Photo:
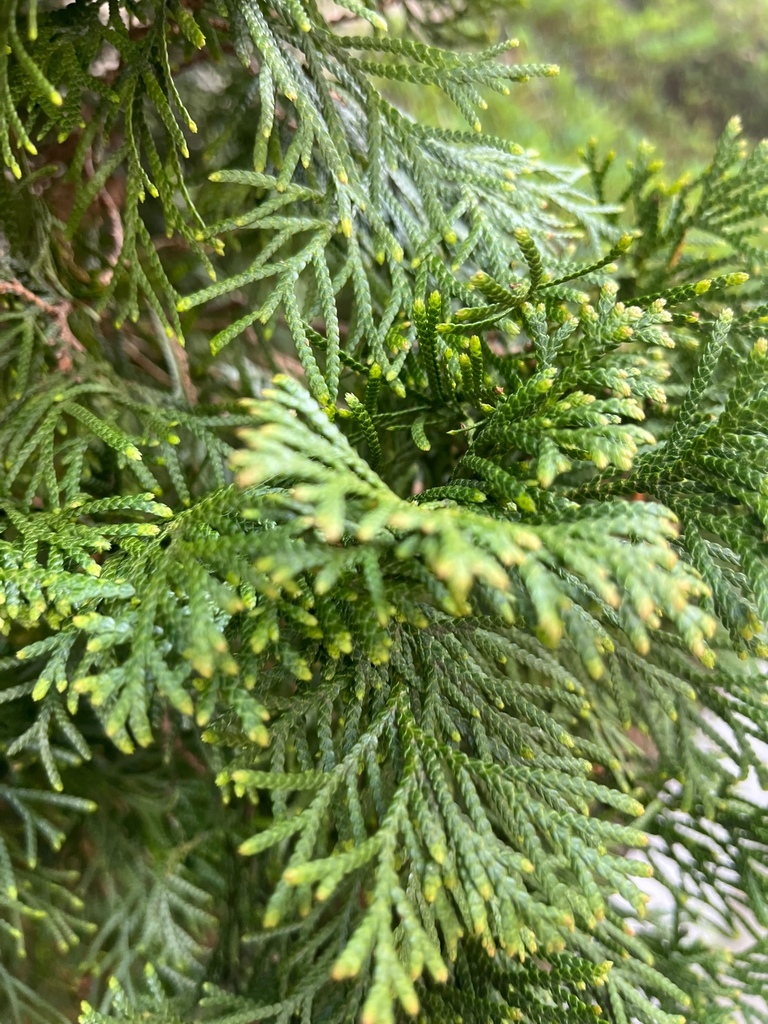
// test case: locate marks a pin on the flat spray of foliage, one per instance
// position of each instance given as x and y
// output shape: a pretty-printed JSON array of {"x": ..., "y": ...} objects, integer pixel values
[{"x": 383, "y": 568}]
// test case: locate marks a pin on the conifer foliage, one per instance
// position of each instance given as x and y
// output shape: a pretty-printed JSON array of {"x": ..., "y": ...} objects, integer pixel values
[{"x": 383, "y": 562}]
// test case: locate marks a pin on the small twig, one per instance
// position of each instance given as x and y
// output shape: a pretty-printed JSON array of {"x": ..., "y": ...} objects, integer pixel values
[
  {"x": 59, "y": 313},
  {"x": 176, "y": 360},
  {"x": 130, "y": 346},
  {"x": 175, "y": 241},
  {"x": 115, "y": 222}
]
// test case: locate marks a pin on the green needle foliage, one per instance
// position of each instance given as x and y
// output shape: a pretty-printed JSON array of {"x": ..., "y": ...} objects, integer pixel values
[{"x": 383, "y": 561}]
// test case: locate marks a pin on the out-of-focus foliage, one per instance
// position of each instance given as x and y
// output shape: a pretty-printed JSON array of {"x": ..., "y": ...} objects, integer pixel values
[{"x": 673, "y": 71}]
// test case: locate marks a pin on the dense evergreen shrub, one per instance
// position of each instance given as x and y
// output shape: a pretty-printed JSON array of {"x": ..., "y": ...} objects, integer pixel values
[{"x": 383, "y": 567}]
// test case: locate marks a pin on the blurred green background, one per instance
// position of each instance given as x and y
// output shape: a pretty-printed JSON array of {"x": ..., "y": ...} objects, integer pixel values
[{"x": 669, "y": 71}]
